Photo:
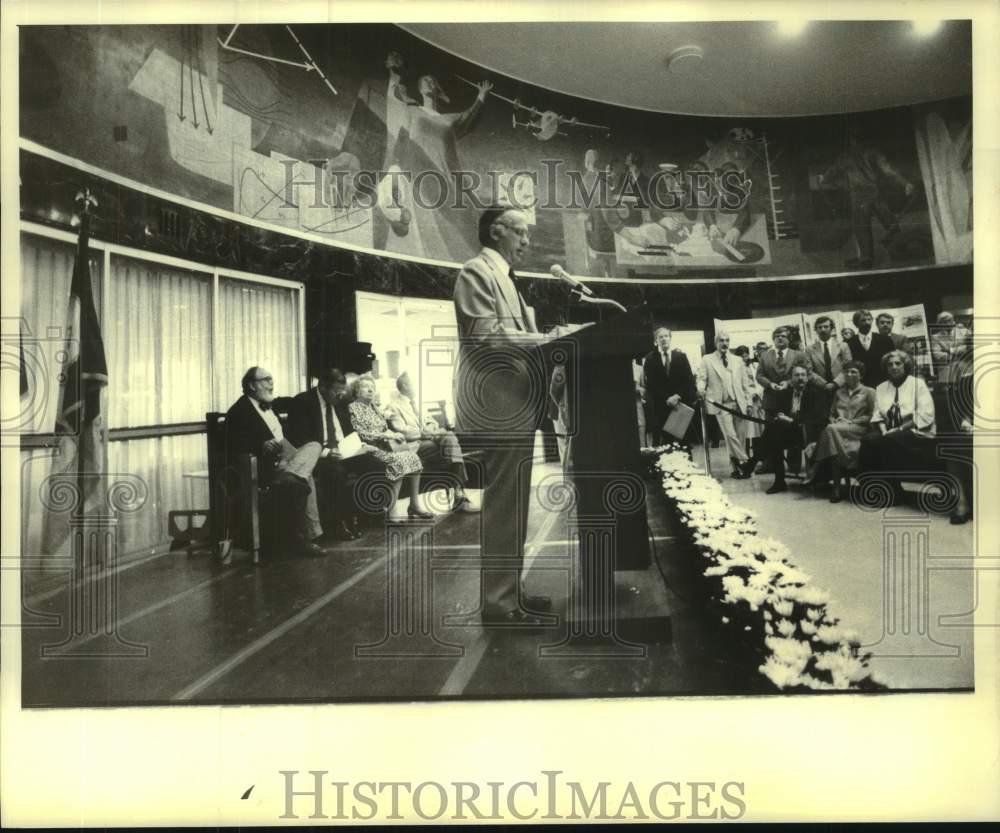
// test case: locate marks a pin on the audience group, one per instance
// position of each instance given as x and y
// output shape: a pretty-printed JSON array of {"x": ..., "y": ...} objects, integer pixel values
[
  {"x": 843, "y": 406},
  {"x": 334, "y": 434}
]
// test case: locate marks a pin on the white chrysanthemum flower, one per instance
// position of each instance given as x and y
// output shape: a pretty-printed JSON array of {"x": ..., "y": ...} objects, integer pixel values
[
  {"x": 786, "y": 627},
  {"x": 789, "y": 651},
  {"x": 784, "y": 607},
  {"x": 807, "y": 627},
  {"x": 782, "y": 675}
]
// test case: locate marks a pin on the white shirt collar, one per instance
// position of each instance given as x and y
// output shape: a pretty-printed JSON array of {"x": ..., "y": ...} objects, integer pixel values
[{"x": 497, "y": 260}]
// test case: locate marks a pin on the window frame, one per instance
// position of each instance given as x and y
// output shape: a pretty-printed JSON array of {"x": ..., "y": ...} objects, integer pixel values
[{"x": 215, "y": 274}]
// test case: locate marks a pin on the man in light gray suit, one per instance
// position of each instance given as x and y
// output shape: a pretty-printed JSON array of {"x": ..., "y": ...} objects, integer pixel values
[
  {"x": 500, "y": 388},
  {"x": 722, "y": 381},
  {"x": 827, "y": 357}
]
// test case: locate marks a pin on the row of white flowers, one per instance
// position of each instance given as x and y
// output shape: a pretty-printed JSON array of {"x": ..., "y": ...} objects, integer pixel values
[{"x": 757, "y": 577}]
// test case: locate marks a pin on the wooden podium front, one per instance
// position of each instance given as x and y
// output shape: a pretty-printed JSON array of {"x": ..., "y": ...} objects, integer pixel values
[{"x": 605, "y": 470}]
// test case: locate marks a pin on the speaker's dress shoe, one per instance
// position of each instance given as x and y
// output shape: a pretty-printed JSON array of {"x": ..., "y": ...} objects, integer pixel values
[
  {"x": 291, "y": 484},
  {"x": 536, "y": 602},
  {"x": 499, "y": 617},
  {"x": 835, "y": 496},
  {"x": 342, "y": 532},
  {"x": 777, "y": 487},
  {"x": 746, "y": 469},
  {"x": 739, "y": 474},
  {"x": 310, "y": 549}
]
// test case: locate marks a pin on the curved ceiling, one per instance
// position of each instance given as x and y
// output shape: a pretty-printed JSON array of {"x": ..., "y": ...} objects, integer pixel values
[{"x": 746, "y": 69}]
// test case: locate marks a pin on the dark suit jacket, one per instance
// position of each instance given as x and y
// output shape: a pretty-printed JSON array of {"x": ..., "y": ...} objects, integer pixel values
[
  {"x": 246, "y": 433},
  {"x": 305, "y": 419},
  {"x": 872, "y": 357},
  {"x": 660, "y": 386},
  {"x": 812, "y": 415}
]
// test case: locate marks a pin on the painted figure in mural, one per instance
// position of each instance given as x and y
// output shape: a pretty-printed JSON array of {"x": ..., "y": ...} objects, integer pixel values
[
  {"x": 866, "y": 171},
  {"x": 703, "y": 229},
  {"x": 422, "y": 138},
  {"x": 600, "y": 237}
]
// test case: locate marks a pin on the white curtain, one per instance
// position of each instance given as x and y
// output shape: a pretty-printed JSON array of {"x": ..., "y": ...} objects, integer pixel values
[
  {"x": 161, "y": 463},
  {"x": 157, "y": 325},
  {"x": 258, "y": 325},
  {"x": 158, "y": 339},
  {"x": 46, "y": 275},
  {"x": 945, "y": 154}
]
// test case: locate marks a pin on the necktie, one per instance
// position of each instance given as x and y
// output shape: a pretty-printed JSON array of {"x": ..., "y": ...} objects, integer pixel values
[
  {"x": 826, "y": 361},
  {"x": 666, "y": 363},
  {"x": 265, "y": 406},
  {"x": 796, "y": 402},
  {"x": 725, "y": 361},
  {"x": 893, "y": 418},
  {"x": 331, "y": 434}
]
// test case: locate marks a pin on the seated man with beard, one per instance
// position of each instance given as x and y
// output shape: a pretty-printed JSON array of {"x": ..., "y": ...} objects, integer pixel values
[{"x": 284, "y": 468}]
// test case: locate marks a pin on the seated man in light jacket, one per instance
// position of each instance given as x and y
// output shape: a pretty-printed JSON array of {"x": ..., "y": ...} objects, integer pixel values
[{"x": 434, "y": 441}]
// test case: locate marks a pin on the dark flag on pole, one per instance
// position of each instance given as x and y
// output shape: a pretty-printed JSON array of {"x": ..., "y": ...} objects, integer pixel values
[{"x": 80, "y": 423}]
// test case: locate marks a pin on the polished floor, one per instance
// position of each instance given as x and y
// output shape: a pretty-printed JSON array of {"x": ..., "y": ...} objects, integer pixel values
[
  {"x": 901, "y": 577},
  {"x": 346, "y": 628},
  {"x": 327, "y": 629}
]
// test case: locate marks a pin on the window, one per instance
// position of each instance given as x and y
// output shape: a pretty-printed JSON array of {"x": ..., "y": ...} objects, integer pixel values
[
  {"x": 259, "y": 324},
  {"x": 177, "y": 338},
  {"x": 413, "y": 334}
]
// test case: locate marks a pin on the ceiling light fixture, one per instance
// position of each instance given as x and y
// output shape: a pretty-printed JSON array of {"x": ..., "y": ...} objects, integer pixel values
[
  {"x": 792, "y": 27},
  {"x": 924, "y": 28}
]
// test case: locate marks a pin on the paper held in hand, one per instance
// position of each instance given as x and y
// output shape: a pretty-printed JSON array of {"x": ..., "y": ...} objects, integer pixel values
[
  {"x": 350, "y": 446},
  {"x": 678, "y": 421}
]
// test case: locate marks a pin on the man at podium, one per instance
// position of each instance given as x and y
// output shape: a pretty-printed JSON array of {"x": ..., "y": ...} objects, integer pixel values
[{"x": 500, "y": 388}]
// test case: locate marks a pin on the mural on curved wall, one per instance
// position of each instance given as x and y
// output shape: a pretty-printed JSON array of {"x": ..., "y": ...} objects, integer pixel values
[{"x": 365, "y": 135}]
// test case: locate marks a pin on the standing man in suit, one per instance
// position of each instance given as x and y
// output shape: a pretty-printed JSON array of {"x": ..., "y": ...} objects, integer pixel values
[
  {"x": 827, "y": 357},
  {"x": 252, "y": 427},
  {"x": 722, "y": 381},
  {"x": 884, "y": 324},
  {"x": 321, "y": 415},
  {"x": 774, "y": 371},
  {"x": 667, "y": 380},
  {"x": 869, "y": 347},
  {"x": 796, "y": 423},
  {"x": 500, "y": 388}
]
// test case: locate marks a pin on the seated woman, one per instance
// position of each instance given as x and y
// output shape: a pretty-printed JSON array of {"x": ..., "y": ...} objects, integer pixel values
[
  {"x": 435, "y": 442},
  {"x": 850, "y": 419},
  {"x": 372, "y": 428},
  {"x": 904, "y": 415}
]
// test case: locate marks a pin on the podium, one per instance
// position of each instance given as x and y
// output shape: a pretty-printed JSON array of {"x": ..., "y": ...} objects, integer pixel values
[{"x": 616, "y": 593}]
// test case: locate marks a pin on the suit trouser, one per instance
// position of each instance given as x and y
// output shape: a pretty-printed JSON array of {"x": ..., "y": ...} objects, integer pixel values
[
  {"x": 506, "y": 503},
  {"x": 734, "y": 444},
  {"x": 445, "y": 447},
  {"x": 301, "y": 462},
  {"x": 777, "y": 437}
]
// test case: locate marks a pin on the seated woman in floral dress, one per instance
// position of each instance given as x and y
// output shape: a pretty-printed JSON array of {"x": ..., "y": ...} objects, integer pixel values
[
  {"x": 373, "y": 429},
  {"x": 850, "y": 419}
]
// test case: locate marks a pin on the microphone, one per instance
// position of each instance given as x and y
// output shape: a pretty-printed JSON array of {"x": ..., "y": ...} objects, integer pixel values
[{"x": 558, "y": 272}]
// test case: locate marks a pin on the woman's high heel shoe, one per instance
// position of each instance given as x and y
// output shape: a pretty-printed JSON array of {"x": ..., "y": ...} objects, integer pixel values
[{"x": 416, "y": 513}]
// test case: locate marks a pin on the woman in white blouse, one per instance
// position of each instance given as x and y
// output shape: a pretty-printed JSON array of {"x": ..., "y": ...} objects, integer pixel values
[{"x": 904, "y": 416}]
